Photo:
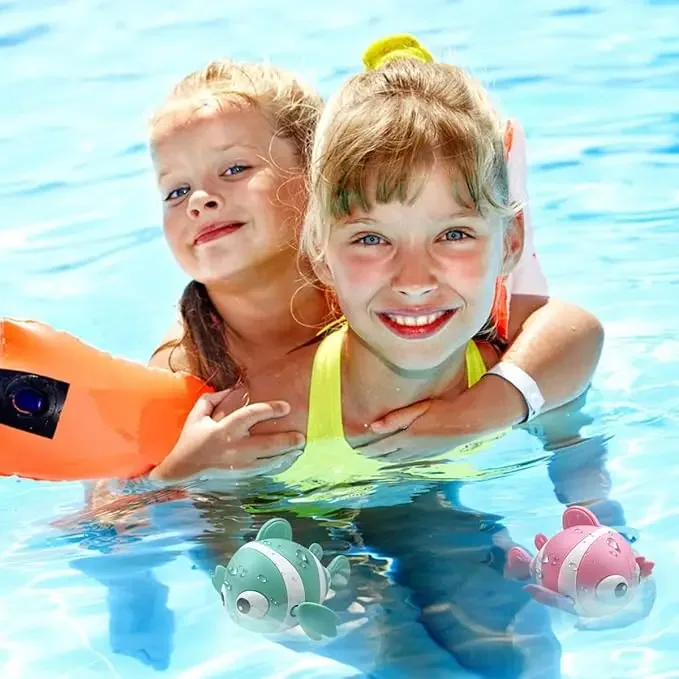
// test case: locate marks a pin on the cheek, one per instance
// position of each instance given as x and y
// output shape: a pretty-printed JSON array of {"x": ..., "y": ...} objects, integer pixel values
[
  {"x": 470, "y": 267},
  {"x": 276, "y": 214},
  {"x": 476, "y": 270},
  {"x": 356, "y": 275},
  {"x": 171, "y": 229},
  {"x": 280, "y": 198},
  {"x": 174, "y": 231},
  {"x": 472, "y": 274}
]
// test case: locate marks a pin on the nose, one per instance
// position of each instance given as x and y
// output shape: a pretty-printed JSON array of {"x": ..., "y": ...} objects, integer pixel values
[
  {"x": 414, "y": 277},
  {"x": 201, "y": 202}
]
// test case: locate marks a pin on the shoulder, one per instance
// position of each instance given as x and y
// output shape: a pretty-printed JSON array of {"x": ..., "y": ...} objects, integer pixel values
[{"x": 170, "y": 354}]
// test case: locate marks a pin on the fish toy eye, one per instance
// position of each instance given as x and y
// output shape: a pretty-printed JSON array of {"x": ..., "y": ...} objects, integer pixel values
[
  {"x": 252, "y": 604},
  {"x": 612, "y": 589}
]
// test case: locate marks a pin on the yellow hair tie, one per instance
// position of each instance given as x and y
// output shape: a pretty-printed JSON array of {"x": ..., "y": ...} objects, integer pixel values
[{"x": 402, "y": 46}]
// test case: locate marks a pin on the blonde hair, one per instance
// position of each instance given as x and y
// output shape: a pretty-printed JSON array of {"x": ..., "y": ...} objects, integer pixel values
[
  {"x": 293, "y": 109},
  {"x": 291, "y": 106},
  {"x": 386, "y": 126}
]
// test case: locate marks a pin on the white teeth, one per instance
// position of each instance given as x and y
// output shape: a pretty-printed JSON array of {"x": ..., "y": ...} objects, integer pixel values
[{"x": 416, "y": 320}]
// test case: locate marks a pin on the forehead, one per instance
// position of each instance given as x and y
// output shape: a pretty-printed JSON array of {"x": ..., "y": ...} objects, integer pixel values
[
  {"x": 209, "y": 121},
  {"x": 435, "y": 191}
]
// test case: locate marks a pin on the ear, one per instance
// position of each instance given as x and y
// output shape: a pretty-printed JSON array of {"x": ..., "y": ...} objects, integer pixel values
[
  {"x": 513, "y": 244},
  {"x": 323, "y": 272}
]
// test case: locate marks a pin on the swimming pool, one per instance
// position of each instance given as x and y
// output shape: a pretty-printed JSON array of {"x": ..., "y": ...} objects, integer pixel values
[{"x": 595, "y": 85}]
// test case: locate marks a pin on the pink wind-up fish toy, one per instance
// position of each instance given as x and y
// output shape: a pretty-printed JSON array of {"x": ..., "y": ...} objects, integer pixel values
[{"x": 586, "y": 569}]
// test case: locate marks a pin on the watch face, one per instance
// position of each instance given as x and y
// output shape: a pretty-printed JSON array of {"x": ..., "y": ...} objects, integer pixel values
[{"x": 31, "y": 403}]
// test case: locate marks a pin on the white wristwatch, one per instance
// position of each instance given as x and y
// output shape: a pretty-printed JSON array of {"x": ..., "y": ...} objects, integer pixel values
[{"x": 524, "y": 383}]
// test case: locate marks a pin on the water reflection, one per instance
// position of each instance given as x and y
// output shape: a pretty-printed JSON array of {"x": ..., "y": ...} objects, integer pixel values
[{"x": 432, "y": 565}]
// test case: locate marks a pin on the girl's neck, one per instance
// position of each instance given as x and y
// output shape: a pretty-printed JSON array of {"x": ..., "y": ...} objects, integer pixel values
[
  {"x": 371, "y": 387},
  {"x": 272, "y": 310}
]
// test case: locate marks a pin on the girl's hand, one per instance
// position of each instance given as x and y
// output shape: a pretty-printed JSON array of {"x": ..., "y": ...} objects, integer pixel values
[
  {"x": 417, "y": 432},
  {"x": 429, "y": 428},
  {"x": 227, "y": 444}
]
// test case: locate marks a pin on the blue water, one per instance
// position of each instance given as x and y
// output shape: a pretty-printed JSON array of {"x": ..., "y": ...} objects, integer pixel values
[{"x": 595, "y": 85}]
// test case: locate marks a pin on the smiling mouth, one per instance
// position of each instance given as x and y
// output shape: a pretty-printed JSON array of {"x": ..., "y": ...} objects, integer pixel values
[
  {"x": 215, "y": 231},
  {"x": 410, "y": 326}
]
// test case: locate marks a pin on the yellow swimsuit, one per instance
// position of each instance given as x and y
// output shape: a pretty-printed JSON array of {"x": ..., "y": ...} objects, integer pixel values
[{"x": 331, "y": 471}]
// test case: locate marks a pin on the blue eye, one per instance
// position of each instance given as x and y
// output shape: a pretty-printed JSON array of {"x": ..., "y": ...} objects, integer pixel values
[
  {"x": 370, "y": 239},
  {"x": 234, "y": 170},
  {"x": 455, "y": 234},
  {"x": 177, "y": 193}
]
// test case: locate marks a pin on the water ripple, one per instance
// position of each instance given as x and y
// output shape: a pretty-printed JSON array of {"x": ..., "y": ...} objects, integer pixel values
[
  {"x": 576, "y": 11},
  {"x": 16, "y": 38}
]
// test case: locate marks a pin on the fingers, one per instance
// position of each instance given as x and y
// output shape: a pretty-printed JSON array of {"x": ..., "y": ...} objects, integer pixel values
[
  {"x": 249, "y": 457},
  {"x": 216, "y": 397},
  {"x": 250, "y": 452},
  {"x": 273, "y": 465},
  {"x": 383, "y": 447},
  {"x": 206, "y": 404},
  {"x": 398, "y": 448},
  {"x": 266, "y": 447},
  {"x": 242, "y": 420},
  {"x": 401, "y": 455},
  {"x": 398, "y": 420}
]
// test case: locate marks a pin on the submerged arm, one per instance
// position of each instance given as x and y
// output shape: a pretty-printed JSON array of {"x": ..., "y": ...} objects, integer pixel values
[{"x": 577, "y": 466}]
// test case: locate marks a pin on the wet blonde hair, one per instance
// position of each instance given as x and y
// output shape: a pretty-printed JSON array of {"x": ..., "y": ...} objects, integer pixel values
[
  {"x": 386, "y": 127},
  {"x": 293, "y": 109}
]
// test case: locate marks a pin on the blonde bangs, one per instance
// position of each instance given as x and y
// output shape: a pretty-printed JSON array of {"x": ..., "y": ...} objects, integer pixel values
[
  {"x": 385, "y": 130},
  {"x": 292, "y": 106},
  {"x": 382, "y": 150}
]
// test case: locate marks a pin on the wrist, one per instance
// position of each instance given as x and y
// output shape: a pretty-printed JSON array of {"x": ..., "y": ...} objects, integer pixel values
[
  {"x": 505, "y": 398},
  {"x": 522, "y": 383},
  {"x": 163, "y": 473}
]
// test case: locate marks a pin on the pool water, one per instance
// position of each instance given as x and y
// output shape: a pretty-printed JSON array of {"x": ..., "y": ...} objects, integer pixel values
[{"x": 595, "y": 86}]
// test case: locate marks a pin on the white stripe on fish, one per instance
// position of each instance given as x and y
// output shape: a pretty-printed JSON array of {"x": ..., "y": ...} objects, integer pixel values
[{"x": 294, "y": 586}]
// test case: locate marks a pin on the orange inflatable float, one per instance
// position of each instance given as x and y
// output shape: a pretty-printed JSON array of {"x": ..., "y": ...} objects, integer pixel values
[{"x": 69, "y": 411}]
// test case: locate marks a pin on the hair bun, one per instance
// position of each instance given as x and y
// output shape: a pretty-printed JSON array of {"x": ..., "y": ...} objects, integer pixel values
[{"x": 402, "y": 46}]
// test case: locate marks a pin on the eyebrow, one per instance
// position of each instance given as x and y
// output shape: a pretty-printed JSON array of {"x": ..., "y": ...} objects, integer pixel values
[
  {"x": 163, "y": 173},
  {"x": 463, "y": 214},
  {"x": 221, "y": 148},
  {"x": 226, "y": 147},
  {"x": 355, "y": 221}
]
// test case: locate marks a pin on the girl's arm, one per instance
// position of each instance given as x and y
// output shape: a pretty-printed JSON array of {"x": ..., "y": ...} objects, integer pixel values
[{"x": 556, "y": 343}]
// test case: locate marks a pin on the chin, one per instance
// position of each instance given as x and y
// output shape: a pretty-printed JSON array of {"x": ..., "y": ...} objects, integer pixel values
[
  {"x": 222, "y": 272},
  {"x": 419, "y": 366},
  {"x": 414, "y": 360}
]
